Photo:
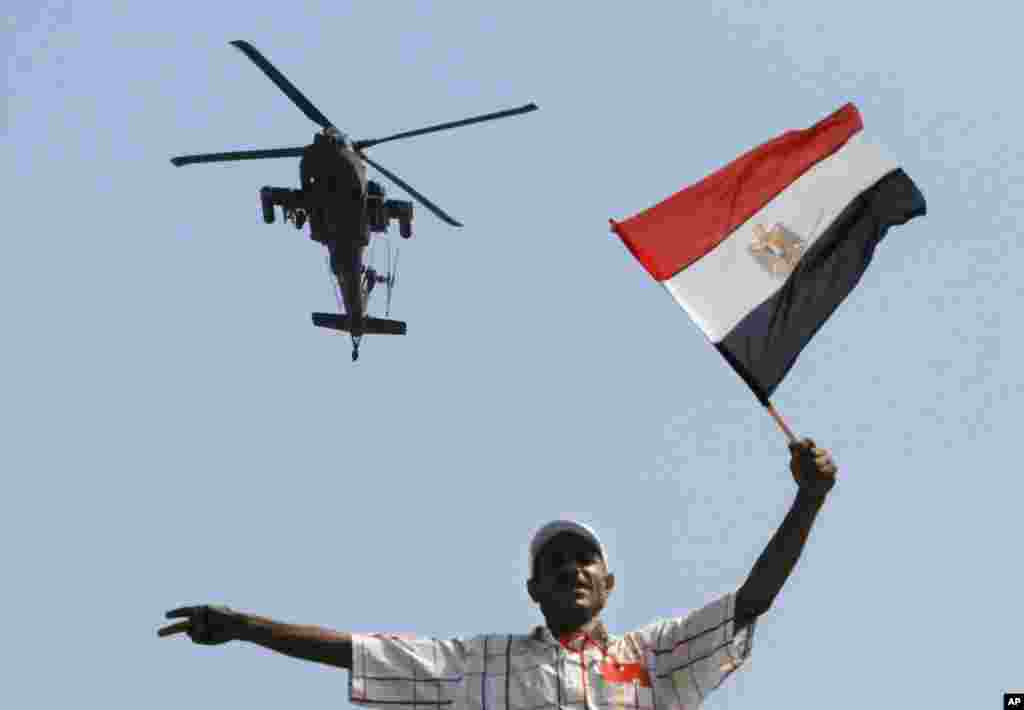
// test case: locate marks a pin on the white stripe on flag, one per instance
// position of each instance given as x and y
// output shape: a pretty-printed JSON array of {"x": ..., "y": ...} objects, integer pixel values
[{"x": 721, "y": 288}]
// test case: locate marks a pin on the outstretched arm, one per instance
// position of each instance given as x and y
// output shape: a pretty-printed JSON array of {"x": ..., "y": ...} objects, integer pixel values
[
  {"x": 310, "y": 643},
  {"x": 815, "y": 475},
  {"x": 211, "y": 625}
]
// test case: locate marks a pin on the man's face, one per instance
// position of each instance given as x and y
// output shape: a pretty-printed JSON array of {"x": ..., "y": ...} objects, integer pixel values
[{"x": 570, "y": 582}]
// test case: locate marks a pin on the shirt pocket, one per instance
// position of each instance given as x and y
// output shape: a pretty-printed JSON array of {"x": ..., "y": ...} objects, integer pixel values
[
  {"x": 533, "y": 687},
  {"x": 511, "y": 678}
]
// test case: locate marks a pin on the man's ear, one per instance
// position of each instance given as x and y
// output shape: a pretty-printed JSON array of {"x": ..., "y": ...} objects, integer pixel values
[
  {"x": 609, "y": 582},
  {"x": 531, "y": 588}
]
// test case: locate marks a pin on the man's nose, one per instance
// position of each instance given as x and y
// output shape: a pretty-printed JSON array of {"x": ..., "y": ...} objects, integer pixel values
[{"x": 569, "y": 572}]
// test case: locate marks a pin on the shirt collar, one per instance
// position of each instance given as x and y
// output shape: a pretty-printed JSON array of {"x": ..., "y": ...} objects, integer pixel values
[{"x": 575, "y": 641}]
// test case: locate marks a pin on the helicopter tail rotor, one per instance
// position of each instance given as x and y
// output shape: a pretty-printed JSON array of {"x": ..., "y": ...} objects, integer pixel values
[{"x": 392, "y": 279}]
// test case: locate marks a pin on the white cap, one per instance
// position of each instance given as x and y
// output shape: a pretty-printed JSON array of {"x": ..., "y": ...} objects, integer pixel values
[{"x": 541, "y": 537}]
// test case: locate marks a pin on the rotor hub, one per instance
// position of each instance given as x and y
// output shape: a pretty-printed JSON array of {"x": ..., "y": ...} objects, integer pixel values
[{"x": 337, "y": 136}]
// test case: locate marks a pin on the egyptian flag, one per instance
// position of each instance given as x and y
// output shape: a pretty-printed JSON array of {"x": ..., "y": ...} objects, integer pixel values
[{"x": 761, "y": 252}]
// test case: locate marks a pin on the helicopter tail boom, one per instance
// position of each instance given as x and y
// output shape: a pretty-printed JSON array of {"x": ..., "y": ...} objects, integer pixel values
[{"x": 371, "y": 326}]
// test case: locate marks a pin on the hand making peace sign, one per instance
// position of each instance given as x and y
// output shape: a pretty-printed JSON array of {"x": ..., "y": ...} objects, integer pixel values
[{"x": 208, "y": 625}]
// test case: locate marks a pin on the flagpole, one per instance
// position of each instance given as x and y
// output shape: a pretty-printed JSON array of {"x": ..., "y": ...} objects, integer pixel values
[{"x": 782, "y": 425}]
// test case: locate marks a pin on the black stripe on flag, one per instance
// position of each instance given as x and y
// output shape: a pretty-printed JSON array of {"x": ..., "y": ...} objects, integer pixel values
[{"x": 764, "y": 345}]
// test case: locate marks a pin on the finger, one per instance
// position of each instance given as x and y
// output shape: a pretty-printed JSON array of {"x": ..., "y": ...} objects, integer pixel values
[
  {"x": 200, "y": 629},
  {"x": 828, "y": 470},
  {"x": 172, "y": 629},
  {"x": 182, "y": 611},
  {"x": 801, "y": 446}
]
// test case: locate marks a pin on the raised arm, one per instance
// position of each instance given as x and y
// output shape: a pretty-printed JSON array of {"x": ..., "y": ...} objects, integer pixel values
[
  {"x": 211, "y": 625},
  {"x": 815, "y": 475}
]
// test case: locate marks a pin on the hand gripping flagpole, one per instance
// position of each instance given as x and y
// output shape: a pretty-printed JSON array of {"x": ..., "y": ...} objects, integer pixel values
[{"x": 782, "y": 425}]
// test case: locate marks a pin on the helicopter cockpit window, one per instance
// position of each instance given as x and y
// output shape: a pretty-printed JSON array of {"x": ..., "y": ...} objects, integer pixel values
[{"x": 338, "y": 136}]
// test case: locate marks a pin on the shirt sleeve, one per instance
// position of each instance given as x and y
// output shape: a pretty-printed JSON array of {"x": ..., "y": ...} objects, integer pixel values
[
  {"x": 396, "y": 671},
  {"x": 689, "y": 657}
]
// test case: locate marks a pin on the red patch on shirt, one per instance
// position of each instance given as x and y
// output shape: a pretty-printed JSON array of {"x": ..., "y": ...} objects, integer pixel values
[{"x": 625, "y": 673}]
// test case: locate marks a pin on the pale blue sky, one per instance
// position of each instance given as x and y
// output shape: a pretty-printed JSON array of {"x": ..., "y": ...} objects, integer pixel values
[{"x": 175, "y": 431}]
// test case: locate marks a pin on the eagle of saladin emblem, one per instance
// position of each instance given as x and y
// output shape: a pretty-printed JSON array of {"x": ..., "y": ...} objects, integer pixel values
[{"x": 778, "y": 250}]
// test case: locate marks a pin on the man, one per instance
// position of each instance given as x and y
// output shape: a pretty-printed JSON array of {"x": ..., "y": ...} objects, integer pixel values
[{"x": 569, "y": 661}]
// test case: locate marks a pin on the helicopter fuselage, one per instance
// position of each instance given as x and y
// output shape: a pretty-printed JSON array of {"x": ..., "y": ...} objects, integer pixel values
[
  {"x": 343, "y": 209},
  {"x": 334, "y": 191}
]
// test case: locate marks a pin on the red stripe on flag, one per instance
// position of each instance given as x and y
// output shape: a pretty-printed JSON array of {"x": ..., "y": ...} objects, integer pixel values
[{"x": 681, "y": 229}]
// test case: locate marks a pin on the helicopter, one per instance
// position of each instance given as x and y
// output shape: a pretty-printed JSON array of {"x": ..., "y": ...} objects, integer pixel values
[{"x": 342, "y": 207}]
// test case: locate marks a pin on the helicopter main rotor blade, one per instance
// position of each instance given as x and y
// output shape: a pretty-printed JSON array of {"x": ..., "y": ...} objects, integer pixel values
[
  {"x": 304, "y": 104},
  {"x": 359, "y": 145},
  {"x": 237, "y": 155},
  {"x": 408, "y": 188}
]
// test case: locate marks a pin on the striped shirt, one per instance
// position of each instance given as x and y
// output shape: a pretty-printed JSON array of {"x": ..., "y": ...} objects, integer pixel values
[{"x": 670, "y": 664}]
